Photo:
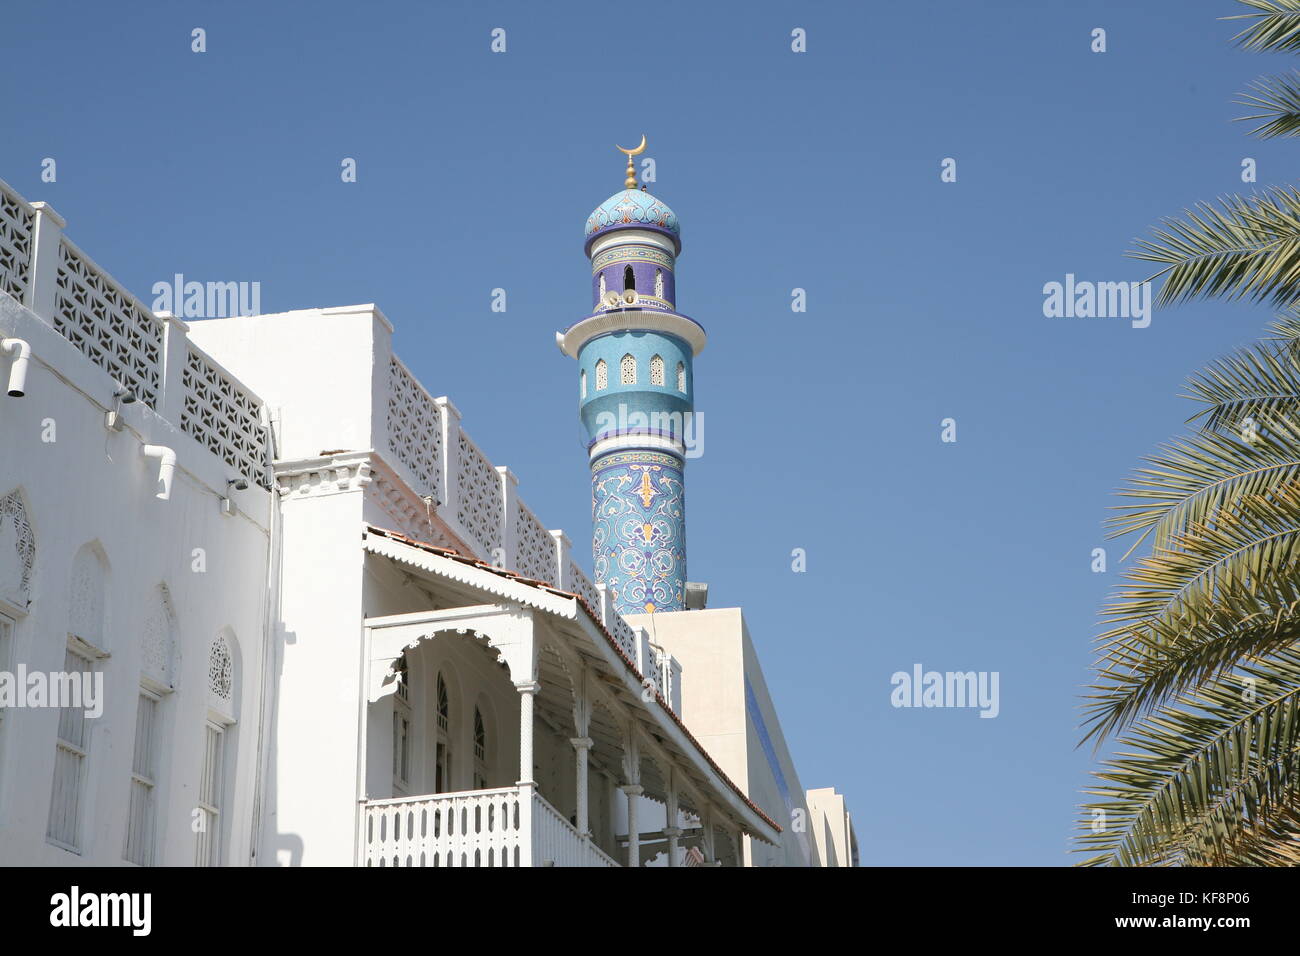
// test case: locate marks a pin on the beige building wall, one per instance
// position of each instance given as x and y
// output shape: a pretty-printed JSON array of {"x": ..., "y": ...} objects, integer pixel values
[{"x": 832, "y": 827}]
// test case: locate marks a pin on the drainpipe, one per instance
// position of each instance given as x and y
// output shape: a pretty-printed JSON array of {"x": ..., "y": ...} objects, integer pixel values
[
  {"x": 18, "y": 373},
  {"x": 166, "y": 468}
]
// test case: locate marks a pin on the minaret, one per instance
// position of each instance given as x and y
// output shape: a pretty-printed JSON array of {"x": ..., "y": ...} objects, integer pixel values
[{"x": 636, "y": 386}]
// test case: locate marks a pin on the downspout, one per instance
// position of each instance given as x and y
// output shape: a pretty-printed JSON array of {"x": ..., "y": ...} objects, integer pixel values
[
  {"x": 271, "y": 614},
  {"x": 18, "y": 372},
  {"x": 166, "y": 468}
]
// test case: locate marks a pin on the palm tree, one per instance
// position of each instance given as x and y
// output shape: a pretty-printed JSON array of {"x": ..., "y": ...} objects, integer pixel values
[{"x": 1199, "y": 668}]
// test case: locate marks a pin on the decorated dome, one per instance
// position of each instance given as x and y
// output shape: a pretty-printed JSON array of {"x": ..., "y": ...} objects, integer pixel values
[{"x": 633, "y": 209}]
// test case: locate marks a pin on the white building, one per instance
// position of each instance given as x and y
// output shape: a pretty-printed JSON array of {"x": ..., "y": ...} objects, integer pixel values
[{"x": 294, "y": 591}]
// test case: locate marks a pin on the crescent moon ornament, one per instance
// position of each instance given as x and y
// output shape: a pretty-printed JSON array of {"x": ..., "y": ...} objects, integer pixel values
[
  {"x": 630, "y": 182},
  {"x": 633, "y": 152}
]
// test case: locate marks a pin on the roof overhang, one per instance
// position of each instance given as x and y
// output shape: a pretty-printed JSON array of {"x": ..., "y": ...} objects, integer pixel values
[{"x": 570, "y": 615}]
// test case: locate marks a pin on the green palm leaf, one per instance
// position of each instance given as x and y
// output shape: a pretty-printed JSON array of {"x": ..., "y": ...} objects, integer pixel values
[
  {"x": 1213, "y": 779},
  {"x": 1246, "y": 247},
  {"x": 1276, "y": 27},
  {"x": 1254, "y": 390},
  {"x": 1276, "y": 101}
]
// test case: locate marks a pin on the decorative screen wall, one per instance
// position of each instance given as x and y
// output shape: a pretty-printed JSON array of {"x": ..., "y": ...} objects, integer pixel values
[
  {"x": 480, "y": 497},
  {"x": 16, "y": 223},
  {"x": 414, "y": 428},
  {"x": 224, "y": 417},
  {"x": 535, "y": 548},
  {"x": 108, "y": 325}
]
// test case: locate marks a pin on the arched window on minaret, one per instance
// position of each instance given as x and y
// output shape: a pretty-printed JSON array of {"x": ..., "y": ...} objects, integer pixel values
[
  {"x": 601, "y": 293},
  {"x": 627, "y": 369},
  {"x": 629, "y": 279},
  {"x": 602, "y": 375},
  {"x": 583, "y": 379},
  {"x": 681, "y": 377},
  {"x": 656, "y": 370},
  {"x": 659, "y": 285}
]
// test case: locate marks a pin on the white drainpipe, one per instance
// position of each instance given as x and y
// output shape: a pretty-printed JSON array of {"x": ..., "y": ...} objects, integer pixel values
[
  {"x": 18, "y": 372},
  {"x": 166, "y": 467}
]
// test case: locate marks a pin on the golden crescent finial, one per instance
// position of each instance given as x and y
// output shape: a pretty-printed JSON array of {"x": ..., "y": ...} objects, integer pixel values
[{"x": 630, "y": 182}]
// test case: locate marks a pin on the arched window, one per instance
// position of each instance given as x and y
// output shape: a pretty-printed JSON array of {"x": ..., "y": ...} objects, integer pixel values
[
  {"x": 627, "y": 369},
  {"x": 442, "y": 751},
  {"x": 659, "y": 283},
  {"x": 480, "y": 751},
  {"x": 219, "y": 738},
  {"x": 656, "y": 370},
  {"x": 221, "y": 673},
  {"x": 583, "y": 381},
  {"x": 84, "y": 651},
  {"x": 629, "y": 279},
  {"x": 602, "y": 375},
  {"x": 681, "y": 377},
  {"x": 601, "y": 293}
]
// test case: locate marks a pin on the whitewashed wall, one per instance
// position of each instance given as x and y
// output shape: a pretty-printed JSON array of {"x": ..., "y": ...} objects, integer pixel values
[{"x": 91, "y": 485}]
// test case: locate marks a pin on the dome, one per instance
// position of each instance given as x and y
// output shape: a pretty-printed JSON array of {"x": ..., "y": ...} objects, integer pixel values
[{"x": 633, "y": 209}]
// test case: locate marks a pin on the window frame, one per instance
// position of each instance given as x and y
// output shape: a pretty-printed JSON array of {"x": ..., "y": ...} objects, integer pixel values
[
  {"x": 214, "y": 813},
  {"x": 90, "y": 656},
  {"x": 148, "y": 780}
]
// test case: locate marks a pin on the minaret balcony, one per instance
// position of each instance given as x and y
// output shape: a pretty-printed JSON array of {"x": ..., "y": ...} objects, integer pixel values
[{"x": 572, "y": 339}]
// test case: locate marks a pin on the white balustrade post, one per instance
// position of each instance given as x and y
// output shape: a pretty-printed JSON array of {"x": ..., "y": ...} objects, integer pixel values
[
  {"x": 563, "y": 578},
  {"x": 527, "y": 694},
  {"x": 672, "y": 830},
  {"x": 581, "y": 746},
  {"x": 509, "y": 505},
  {"x": 633, "y": 792},
  {"x": 176, "y": 347},
  {"x": 632, "y": 788},
  {"x": 606, "y": 606},
  {"x": 47, "y": 234},
  {"x": 527, "y": 786},
  {"x": 710, "y": 847},
  {"x": 645, "y": 657},
  {"x": 449, "y": 490}
]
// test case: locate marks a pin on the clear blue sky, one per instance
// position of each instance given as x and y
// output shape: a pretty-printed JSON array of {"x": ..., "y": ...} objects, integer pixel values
[{"x": 818, "y": 171}]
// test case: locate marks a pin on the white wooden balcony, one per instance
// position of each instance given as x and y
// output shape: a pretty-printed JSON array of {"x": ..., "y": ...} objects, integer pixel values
[{"x": 510, "y": 826}]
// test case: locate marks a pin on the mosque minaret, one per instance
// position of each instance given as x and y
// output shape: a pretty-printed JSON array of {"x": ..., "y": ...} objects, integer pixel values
[{"x": 636, "y": 384}]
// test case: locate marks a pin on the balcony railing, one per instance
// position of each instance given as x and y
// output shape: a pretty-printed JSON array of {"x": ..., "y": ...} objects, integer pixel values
[{"x": 511, "y": 826}]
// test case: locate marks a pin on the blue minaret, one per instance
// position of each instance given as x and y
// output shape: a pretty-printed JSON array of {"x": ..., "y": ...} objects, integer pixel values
[{"x": 636, "y": 388}]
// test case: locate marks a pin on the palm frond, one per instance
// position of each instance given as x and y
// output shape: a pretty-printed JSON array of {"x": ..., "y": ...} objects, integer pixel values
[
  {"x": 1252, "y": 391},
  {"x": 1276, "y": 102},
  {"x": 1285, "y": 327},
  {"x": 1246, "y": 247},
  {"x": 1214, "y": 778},
  {"x": 1192, "y": 478},
  {"x": 1143, "y": 667},
  {"x": 1276, "y": 27}
]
